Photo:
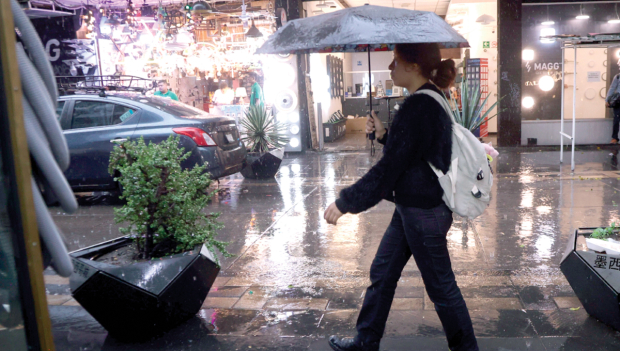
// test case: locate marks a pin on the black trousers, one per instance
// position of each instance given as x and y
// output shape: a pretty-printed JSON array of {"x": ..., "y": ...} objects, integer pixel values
[
  {"x": 614, "y": 132},
  {"x": 421, "y": 233}
]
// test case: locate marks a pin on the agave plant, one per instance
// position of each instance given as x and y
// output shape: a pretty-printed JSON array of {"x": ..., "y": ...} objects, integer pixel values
[
  {"x": 262, "y": 131},
  {"x": 470, "y": 115}
]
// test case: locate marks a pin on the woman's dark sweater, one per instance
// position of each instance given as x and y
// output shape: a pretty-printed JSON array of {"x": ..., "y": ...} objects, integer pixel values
[{"x": 421, "y": 132}]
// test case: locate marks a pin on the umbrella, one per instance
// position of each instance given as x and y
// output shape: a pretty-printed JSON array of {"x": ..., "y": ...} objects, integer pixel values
[{"x": 358, "y": 29}]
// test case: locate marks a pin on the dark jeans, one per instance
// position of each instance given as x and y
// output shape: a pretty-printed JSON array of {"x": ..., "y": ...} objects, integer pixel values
[
  {"x": 614, "y": 132},
  {"x": 423, "y": 233}
]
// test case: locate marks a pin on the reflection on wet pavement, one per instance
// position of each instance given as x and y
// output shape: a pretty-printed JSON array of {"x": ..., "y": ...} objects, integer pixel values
[{"x": 296, "y": 280}]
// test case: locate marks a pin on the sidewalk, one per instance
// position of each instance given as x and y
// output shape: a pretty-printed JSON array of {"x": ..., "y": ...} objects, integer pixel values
[{"x": 296, "y": 280}]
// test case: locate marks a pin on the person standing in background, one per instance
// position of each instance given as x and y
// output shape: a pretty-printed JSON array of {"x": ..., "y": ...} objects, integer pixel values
[
  {"x": 256, "y": 98},
  {"x": 224, "y": 95},
  {"x": 165, "y": 92}
]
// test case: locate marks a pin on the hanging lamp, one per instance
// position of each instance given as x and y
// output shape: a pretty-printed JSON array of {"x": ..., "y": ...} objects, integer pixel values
[{"x": 253, "y": 32}]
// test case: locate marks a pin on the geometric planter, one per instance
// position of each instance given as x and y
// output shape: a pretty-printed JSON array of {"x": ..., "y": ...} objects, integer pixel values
[
  {"x": 595, "y": 278},
  {"x": 140, "y": 300},
  {"x": 262, "y": 166}
]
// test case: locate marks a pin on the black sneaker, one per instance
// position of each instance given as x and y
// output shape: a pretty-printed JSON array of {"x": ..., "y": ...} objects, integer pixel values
[{"x": 349, "y": 344}]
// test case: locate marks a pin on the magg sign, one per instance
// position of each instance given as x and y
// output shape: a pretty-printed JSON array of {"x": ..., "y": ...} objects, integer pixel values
[{"x": 543, "y": 66}]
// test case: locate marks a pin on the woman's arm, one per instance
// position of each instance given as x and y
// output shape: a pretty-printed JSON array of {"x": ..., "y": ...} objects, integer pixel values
[
  {"x": 405, "y": 144},
  {"x": 384, "y": 139}
]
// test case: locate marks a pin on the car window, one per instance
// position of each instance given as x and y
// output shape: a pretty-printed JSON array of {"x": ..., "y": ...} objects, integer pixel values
[
  {"x": 87, "y": 114},
  {"x": 176, "y": 108},
  {"x": 59, "y": 107}
]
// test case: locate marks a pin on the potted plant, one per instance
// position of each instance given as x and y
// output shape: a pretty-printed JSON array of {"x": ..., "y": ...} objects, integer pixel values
[
  {"x": 470, "y": 114},
  {"x": 264, "y": 138},
  {"x": 159, "y": 274},
  {"x": 591, "y": 265}
]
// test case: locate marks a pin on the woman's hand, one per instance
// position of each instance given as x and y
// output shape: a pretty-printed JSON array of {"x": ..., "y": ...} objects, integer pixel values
[
  {"x": 374, "y": 124},
  {"x": 332, "y": 214}
]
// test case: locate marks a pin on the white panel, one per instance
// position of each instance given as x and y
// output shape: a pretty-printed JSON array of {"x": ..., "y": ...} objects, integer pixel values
[{"x": 588, "y": 131}]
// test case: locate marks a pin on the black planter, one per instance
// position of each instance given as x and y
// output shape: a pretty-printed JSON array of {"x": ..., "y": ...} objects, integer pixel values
[
  {"x": 261, "y": 166},
  {"x": 334, "y": 131},
  {"x": 595, "y": 278},
  {"x": 140, "y": 300}
]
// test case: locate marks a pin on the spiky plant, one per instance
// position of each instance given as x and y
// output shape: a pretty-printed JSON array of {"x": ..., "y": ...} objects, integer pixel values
[
  {"x": 262, "y": 131},
  {"x": 470, "y": 115}
]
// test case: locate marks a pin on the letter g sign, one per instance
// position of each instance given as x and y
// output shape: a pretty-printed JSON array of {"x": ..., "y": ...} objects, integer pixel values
[{"x": 55, "y": 53}]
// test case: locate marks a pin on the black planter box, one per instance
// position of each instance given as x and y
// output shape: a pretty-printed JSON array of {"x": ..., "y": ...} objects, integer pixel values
[
  {"x": 261, "y": 166},
  {"x": 595, "y": 278},
  {"x": 141, "y": 300},
  {"x": 334, "y": 131}
]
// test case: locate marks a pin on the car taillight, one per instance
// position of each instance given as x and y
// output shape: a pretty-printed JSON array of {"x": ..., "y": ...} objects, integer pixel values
[{"x": 199, "y": 136}]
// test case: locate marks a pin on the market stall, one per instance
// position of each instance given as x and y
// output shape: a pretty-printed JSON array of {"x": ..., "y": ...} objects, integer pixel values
[{"x": 194, "y": 47}]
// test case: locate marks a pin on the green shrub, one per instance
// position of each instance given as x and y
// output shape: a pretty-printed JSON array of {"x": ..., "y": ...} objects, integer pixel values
[
  {"x": 164, "y": 203},
  {"x": 603, "y": 234}
]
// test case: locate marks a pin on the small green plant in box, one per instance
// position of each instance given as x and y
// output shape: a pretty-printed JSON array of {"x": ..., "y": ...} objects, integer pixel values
[
  {"x": 604, "y": 234},
  {"x": 164, "y": 203}
]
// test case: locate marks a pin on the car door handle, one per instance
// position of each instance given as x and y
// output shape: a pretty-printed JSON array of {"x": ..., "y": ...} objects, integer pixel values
[{"x": 118, "y": 140}]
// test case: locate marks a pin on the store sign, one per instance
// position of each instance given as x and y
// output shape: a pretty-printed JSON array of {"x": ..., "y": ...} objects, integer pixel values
[
  {"x": 594, "y": 76},
  {"x": 486, "y": 44},
  {"x": 543, "y": 66},
  {"x": 52, "y": 48}
]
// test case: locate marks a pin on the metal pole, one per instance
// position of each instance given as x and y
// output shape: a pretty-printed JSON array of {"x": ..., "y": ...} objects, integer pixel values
[
  {"x": 572, "y": 157},
  {"x": 371, "y": 136},
  {"x": 99, "y": 59},
  {"x": 369, "y": 81},
  {"x": 562, "y": 110}
]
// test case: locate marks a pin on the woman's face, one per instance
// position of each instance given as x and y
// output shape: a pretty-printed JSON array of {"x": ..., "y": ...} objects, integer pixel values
[{"x": 401, "y": 71}]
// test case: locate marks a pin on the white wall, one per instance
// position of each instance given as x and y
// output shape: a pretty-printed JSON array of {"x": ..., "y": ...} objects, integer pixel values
[
  {"x": 590, "y": 104},
  {"x": 320, "y": 85},
  {"x": 318, "y": 73},
  {"x": 358, "y": 68},
  {"x": 476, "y": 34}
]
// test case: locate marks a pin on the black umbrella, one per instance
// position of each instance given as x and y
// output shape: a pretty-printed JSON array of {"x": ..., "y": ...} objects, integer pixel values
[{"x": 358, "y": 29}]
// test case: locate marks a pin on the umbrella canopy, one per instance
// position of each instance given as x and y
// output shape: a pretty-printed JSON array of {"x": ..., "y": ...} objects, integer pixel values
[{"x": 358, "y": 29}]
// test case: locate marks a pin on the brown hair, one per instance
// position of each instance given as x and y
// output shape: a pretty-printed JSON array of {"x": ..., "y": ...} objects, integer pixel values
[
  {"x": 223, "y": 84},
  {"x": 428, "y": 57}
]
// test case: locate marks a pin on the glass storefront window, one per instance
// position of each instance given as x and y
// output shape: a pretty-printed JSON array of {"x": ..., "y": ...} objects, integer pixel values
[{"x": 12, "y": 330}]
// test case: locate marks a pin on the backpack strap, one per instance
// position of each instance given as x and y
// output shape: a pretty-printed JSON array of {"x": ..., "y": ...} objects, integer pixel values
[
  {"x": 440, "y": 99},
  {"x": 454, "y": 165}
]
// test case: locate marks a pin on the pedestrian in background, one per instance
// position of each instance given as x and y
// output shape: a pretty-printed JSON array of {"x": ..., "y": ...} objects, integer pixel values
[
  {"x": 165, "y": 92},
  {"x": 256, "y": 97},
  {"x": 420, "y": 133},
  {"x": 611, "y": 101},
  {"x": 224, "y": 95}
]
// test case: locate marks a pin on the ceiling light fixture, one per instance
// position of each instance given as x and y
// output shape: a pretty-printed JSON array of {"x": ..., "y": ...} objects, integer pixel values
[
  {"x": 617, "y": 19},
  {"x": 322, "y": 5},
  {"x": 581, "y": 15},
  {"x": 548, "y": 22},
  {"x": 485, "y": 19},
  {"x": 253, "y": 32}
]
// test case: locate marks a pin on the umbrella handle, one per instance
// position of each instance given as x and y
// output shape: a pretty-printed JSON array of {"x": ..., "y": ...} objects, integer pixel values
[{"x": 371, "y": 136}]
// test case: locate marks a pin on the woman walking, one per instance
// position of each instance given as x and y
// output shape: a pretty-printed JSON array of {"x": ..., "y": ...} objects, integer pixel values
[{"x": 421, "y": 133}]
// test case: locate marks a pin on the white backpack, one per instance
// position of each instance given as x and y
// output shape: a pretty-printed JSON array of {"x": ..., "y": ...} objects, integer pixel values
[{"x": 467, "y": 184}]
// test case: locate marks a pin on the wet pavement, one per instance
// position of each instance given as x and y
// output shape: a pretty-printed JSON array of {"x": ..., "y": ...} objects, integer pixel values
[{"x": 295, "y": 280}]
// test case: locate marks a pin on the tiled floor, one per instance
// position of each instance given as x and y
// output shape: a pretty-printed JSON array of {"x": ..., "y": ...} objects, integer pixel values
[{"x": 295, "y": 280}]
